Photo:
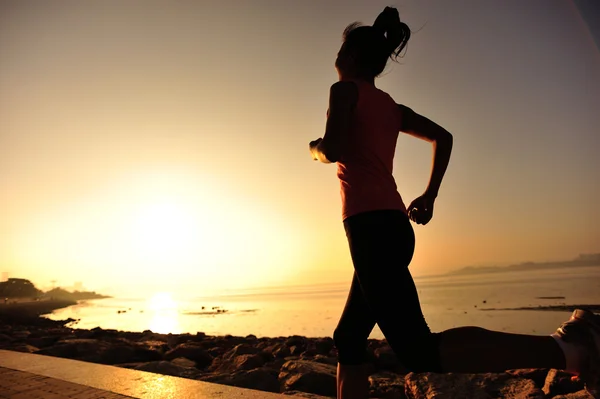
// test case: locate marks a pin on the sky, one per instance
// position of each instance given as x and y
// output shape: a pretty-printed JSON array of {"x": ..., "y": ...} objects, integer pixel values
[{"x": 164, "y": 145}]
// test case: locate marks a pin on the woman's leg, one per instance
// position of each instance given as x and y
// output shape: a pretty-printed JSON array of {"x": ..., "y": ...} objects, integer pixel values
[
  {"x": 382, "y": 246},
  {"x": 350, "y": 337},
  {"x": 381, "y": 250}
]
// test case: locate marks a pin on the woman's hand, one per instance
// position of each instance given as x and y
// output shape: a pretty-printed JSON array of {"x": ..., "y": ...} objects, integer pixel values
[
  {"x": 420, "y": 210},
  {"x": 312, "y": 146}
]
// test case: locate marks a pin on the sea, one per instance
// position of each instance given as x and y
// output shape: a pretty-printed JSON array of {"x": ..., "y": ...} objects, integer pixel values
[{"x": 486, "y": 300}]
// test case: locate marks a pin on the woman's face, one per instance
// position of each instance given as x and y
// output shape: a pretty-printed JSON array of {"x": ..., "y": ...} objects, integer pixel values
[{"x": 344, "y": 63}]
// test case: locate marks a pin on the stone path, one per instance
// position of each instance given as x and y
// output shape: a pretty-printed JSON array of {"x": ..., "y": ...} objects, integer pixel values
[
  {"x": 29, "y": 376},
  {"x": 16, "y": 384}
]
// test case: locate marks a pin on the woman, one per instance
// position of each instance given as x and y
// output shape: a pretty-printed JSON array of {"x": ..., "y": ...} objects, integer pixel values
[{"x": 360, "y": 136}]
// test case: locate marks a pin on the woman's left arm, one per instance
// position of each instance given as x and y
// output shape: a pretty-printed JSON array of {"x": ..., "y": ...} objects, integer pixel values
[{"x": 342, "y": 100}]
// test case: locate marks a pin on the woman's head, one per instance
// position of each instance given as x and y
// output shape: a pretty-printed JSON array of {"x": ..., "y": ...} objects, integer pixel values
[{"x": 366, "y": 49}]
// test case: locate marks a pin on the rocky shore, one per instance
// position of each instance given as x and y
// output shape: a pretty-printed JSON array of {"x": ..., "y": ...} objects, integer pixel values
[{"x": 293, "y": 365}]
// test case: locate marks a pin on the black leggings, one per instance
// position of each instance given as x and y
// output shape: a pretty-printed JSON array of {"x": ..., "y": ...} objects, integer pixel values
[{"x": 383, "y": 292}]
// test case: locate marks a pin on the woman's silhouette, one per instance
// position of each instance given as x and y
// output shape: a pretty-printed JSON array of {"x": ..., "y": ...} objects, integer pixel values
[{"x": 362, "y": 127}]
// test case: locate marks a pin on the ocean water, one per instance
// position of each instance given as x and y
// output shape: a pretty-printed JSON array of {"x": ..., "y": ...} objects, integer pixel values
[{"x": 313, "y": 311}]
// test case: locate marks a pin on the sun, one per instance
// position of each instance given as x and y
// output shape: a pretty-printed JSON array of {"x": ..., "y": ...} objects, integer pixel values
[
  {"x": 162, "y": 301},
  {"x": 165, "y": 232}
]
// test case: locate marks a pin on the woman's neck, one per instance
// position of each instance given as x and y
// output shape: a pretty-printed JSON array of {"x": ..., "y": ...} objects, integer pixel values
[{"x": 370, "y": 81}]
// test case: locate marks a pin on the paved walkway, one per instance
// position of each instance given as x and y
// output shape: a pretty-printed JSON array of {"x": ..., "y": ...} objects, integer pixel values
[
  {"x": 16, "y": 384},
  {"x": 28, "y": 376}
]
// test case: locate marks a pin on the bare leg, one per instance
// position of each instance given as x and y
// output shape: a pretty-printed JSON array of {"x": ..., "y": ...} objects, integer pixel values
[
  {"x": 476, "y": 350},
  {"x": 352, "y": 382}
]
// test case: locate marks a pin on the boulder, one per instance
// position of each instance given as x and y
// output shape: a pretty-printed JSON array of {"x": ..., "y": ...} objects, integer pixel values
[
  {"x": 323, "y": 346},
  {"x": 325, "y": 360},
  {"x": 183, "y": 362},
  {"x": 25, "y": 348},
  {"x": 174, "y": 340},
  {"x": 537, "y": 375},
  {"x": 473, "y": 386},
  {"x": 43, "y": 342},
  {"x": 282, "y": 352},
  {"x": 193, "y": 352},
  {"x": 168, "y": 368},
  {"x": 247, "y": 362},
  {"x": 74, "y": 348},
  {"x": 386, "y": 385},
  {"x": 560, "y": 383},
  {"x": 114, "y": 354},
  {"x": 305, "y": 395},
  {"x": 311, "y": 377},
  {"x": 5, "y": 338},
  {"x": 261, "y": 379},
  {"x": 583, "y": 394},
  {"x": 242, "y": 349}
]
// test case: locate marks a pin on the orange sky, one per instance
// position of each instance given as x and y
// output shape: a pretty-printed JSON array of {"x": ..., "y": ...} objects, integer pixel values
[{"x": 166, "y": 145}]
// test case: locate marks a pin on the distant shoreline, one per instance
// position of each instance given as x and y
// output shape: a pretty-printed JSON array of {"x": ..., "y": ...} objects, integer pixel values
[
  {"x": 552, "y": 308},
  {"x": 592, "y": 260},
  {"x": 31, "y": 309}
]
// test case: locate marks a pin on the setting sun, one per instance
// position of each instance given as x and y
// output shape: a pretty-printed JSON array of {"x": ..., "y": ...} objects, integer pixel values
[
  {"x": 166, "y": 232},
  {"x": 162, "y": 301}
]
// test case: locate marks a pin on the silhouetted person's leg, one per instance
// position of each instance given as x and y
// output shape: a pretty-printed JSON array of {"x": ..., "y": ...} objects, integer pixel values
[
  {"x": 476, "y": 350},
  {"x": 350, "y": 337}
]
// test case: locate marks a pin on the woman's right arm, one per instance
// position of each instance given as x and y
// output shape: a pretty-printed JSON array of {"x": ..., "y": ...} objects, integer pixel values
[{"x": 419, "y": 126}]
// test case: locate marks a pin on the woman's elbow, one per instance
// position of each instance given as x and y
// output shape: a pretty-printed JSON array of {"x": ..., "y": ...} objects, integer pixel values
[{"x": 446, "y": 139}]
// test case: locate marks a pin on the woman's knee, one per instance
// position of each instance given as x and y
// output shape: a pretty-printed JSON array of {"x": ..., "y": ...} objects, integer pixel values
[{"x": 351, "y": 348}]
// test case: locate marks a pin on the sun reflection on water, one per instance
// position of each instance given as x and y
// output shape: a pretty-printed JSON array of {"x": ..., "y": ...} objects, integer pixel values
[{"x": 165, "y": 317}]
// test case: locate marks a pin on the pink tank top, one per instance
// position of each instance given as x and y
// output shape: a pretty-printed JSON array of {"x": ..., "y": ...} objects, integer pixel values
[{"x": 365, "y": 170}]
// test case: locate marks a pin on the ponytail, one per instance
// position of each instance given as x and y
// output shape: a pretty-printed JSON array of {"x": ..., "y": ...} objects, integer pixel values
[{"x": 396, "y": 33}]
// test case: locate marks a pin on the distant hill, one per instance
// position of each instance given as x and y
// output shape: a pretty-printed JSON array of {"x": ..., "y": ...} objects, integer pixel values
[
  {"x": 580, "y": 261},
  {"x": 59, "y": 293}
]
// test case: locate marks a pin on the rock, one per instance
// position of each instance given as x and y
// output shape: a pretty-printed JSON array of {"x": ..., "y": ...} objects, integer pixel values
[
  {"x": 537, "y": 375},
  {"x": 144, "y": 353},
  {"x": 242, "y": 349},
  {"x": 215, "y": 352},
  {"x": 74, "y": 348},
  {"x": 325, "y": 360},
  {"x": 168, "y": 368},
  {"x": 155, "y": 346},
  {"x": 473, "y": 386},
  {"x": 174, "y": 340},
  {"x": 282, "y": 352},
  {"x": 386, "y": 385},
  {"x": 193, "y": 352},
  {"x": 183, "y": 362},
  {"x": 323, "y": 346},
  {"x": 275, "y": 364},
  {"x": 560, "y": 383},
  {"x": 5, "y": 338},
  {"x": 296, "y": 350},
  {"x": 301, "y": 375},
  {"x": 21, "y": 334},
  {"x": 114, "y": 354},
  {"x": 583, "y": 394},
  {"x": 248, "y": 362},
  {"x": 305, "y": 395},
  {"x": 43, "y": 342},
  {"x": 25, "y": 348},
  {"x": 261, "y": 379},
  {"x": 295, "y": 340}
]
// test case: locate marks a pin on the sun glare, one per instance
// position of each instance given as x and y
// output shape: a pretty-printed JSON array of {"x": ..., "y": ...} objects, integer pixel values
[
  {"x": 165, "y": 232},
  {"x": 162, "y": 301}
]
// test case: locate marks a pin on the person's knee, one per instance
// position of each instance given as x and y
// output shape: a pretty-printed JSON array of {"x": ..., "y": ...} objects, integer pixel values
[{"x": 351, "y": 348}]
